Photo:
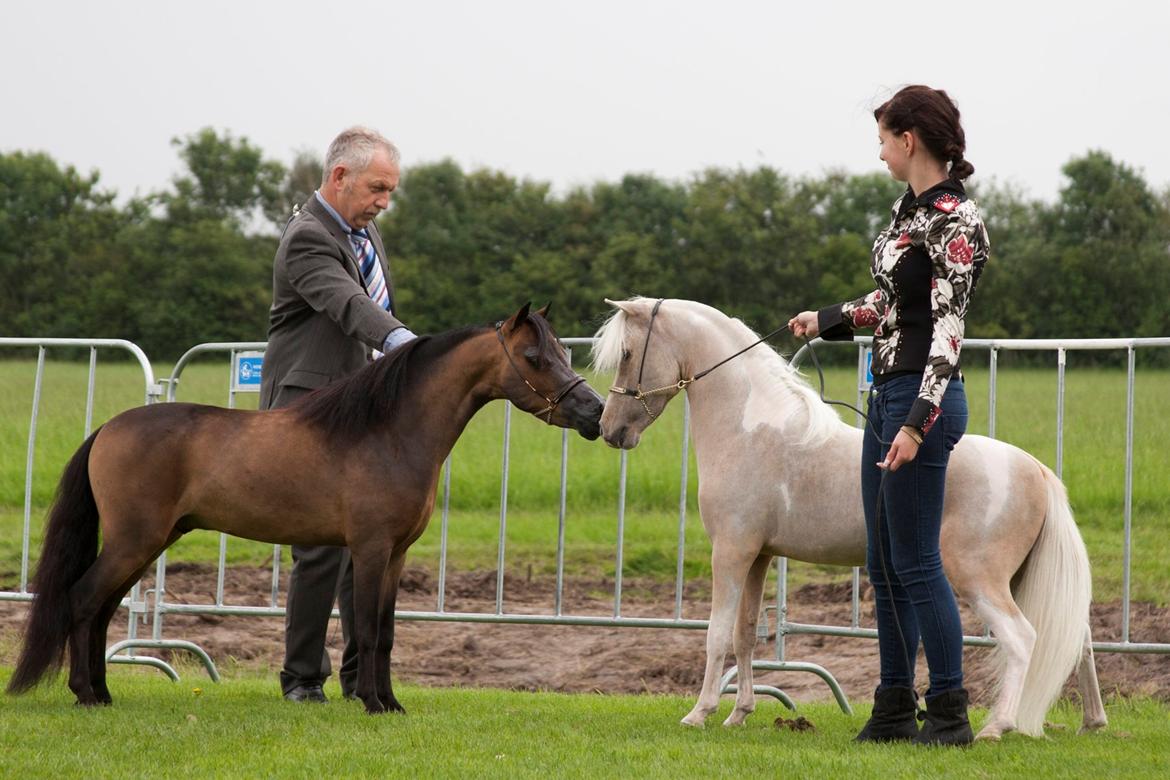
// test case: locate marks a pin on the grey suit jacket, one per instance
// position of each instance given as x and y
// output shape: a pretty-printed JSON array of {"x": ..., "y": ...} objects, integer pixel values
[{"x": 322, "y": 323}]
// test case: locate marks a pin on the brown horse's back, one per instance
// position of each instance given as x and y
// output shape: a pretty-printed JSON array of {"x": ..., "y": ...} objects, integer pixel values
[{"x": 250, "y": 474}]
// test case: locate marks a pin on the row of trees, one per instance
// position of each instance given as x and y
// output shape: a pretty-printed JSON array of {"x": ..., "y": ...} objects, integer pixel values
[{"x": 193, "y": 263}]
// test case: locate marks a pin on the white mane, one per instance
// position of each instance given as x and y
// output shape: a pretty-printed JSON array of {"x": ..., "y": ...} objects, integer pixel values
[{"x": 790, "y": 386}]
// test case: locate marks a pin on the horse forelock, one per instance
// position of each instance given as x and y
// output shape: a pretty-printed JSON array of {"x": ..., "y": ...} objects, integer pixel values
[{"x": 606, "y": 352}]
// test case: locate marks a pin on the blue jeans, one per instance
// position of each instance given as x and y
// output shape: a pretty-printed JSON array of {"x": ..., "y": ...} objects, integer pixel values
[{"x": 903, "y": 557}]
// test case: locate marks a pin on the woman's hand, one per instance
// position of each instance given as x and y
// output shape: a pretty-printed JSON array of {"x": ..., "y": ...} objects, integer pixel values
[
  {"x": 903, "y": 450},
  {"x": 804, "y": 325}
]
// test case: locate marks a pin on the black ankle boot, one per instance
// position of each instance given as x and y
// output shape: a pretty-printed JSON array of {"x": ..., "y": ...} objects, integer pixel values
[
  {"x": 946, "y": 720},
  {"x": 893, "y": 718}
]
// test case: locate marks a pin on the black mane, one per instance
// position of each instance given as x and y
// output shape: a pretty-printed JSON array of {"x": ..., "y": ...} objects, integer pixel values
[{"x": 348, "y": 408}]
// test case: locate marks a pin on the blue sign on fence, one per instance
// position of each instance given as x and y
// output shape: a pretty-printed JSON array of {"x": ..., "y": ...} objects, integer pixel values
[
  {"x": 246, "y": 372},
  {"x": 868, "y": 383}
]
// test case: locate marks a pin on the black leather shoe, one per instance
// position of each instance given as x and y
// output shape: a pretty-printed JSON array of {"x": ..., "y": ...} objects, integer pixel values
[{"x": 309, "y": 693}]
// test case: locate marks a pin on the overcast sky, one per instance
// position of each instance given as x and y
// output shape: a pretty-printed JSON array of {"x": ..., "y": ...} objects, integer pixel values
[{"x": 576, "y": 92}]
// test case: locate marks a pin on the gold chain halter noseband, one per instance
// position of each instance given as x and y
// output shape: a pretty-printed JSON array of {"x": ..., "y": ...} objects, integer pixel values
[
  {"x": 638, "y": 394},
  {"x": 552, "y": 402},
  {"x": 641, "y": 395}
]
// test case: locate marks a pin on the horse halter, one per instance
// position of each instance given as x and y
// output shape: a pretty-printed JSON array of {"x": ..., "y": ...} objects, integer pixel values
[
  {"x": 552, "y": 402},
  {"x": 638, "y": 394}
]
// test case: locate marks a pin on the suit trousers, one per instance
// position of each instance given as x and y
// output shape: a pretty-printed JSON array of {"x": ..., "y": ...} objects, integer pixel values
[{"x": 320, "y": 575}]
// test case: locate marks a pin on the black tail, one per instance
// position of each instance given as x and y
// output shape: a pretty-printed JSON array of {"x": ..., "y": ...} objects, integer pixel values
[{"x": 70, "y": 548}]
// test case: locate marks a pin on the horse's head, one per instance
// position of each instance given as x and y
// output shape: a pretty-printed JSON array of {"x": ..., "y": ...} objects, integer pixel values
[
  {"x": 538, "y": 378},
  {"x": 636, "y": 343}
]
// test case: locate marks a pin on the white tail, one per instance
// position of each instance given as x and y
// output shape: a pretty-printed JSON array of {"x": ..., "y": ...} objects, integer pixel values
[{"x": 1054, "y": 593}]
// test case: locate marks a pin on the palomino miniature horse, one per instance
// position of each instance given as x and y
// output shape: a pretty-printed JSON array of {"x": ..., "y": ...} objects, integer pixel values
[
  {"x": 778, "y": 476},
  {"x": 354, "y": 464}
]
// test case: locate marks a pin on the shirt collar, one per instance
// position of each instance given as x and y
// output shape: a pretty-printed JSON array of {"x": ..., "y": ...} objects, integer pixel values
[
  {"x": 333, "y": 213},
  {"x": 946, "y": 187}
]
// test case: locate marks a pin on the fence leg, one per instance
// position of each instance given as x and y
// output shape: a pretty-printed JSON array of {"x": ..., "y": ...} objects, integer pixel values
[
  {"x": 169, "y": 644},
  {"x": 788, "y": 666}
]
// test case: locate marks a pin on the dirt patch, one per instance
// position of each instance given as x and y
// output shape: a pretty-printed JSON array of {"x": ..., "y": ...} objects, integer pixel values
[{"x": 608, "y": 660}]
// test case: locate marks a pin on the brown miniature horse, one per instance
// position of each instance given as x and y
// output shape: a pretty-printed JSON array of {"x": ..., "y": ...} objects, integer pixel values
[{"x": 355, "y": 464}]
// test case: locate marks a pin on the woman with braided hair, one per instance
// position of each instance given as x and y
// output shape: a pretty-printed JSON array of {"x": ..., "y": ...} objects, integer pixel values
[{"x": 926, "y": 264}]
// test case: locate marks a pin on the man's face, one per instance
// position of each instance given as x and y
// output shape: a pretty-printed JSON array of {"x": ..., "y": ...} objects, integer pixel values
[{"x": 363, "y": 195}]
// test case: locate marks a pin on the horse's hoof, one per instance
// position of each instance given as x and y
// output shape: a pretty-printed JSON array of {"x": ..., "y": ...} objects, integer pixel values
[
  {"x": 737, "y": 717},
  {"x": 1089, "y": 728},
  {"x": 376, "y": 708},
  {"x": 992, "y": 732},
  {"x": 693, "y": 721}
]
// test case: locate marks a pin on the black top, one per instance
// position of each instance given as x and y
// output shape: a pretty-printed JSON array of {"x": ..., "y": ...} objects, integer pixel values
[{"x": 926, "y": 264}]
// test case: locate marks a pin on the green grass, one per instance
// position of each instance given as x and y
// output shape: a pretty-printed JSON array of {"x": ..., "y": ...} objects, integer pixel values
[
  {"x": 1026, "y": 416},
  {"x": 240, "y": 728}
]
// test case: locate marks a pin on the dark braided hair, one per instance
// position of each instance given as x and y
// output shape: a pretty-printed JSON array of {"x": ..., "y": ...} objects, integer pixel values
[{"x": 934, "y": 117}]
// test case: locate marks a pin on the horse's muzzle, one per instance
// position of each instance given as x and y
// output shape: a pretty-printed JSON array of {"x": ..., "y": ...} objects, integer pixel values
[
  {"x": 588, "y": 422},
  {"x": 581, "y": 410},
  {"x": 622, "y": 437}
]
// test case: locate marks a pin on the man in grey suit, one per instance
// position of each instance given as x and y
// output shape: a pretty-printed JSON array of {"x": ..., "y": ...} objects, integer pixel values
[{"x": 332, "y": 312}]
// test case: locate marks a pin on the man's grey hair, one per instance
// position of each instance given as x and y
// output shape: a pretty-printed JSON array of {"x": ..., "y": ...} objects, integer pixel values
[{"x": 354, "y": 148}]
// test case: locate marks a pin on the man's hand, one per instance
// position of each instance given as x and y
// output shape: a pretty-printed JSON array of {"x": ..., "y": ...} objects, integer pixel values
[
  {"x": 804, "y": 325},
  {"x": 903, "y": 450}
]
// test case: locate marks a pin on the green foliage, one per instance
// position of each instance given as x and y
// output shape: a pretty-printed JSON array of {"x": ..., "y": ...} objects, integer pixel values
[
  {"x": 1092, "y": 265},
  {"x": 193, "y": 263},
  {"x": 227, "y": 180},
  {"x": 167, "y": 272}
]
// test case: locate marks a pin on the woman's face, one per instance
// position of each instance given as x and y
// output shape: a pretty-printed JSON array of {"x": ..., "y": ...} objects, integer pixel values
[{"x": 895, "y": 152}]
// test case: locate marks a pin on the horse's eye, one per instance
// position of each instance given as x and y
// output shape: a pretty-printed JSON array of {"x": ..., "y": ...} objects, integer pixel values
[
  {"x": 533, "y": 357},
  {"x": 625, "y": 354}
]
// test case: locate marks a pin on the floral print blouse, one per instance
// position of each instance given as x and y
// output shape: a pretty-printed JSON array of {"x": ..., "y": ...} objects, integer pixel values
[{"x": 926, "y": 265}]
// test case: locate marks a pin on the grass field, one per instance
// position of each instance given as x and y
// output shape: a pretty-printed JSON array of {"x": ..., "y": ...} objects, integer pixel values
[
  {"x": 241, "y": 729},
  {"x": 1094, "y": 469},
  {"x": 197, "y": 728}
]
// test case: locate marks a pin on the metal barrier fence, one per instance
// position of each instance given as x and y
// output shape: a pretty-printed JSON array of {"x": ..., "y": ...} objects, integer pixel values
[
  {"x": 155, "y": 613},
  {"x": 136, "y": 601}
]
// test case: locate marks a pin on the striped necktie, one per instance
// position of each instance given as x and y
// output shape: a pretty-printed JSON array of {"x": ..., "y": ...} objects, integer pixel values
[{"x": 371, "y": 269}]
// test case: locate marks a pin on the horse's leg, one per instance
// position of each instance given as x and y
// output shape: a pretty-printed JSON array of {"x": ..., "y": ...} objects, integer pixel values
[
  {"x": 1016, "y": 638},
  {"x": 745, "y": 639},
  {"x": 386, "y": 633},
  {"x": 370, "y": 562},
  {"x": 119, "y": 559},
  {"x": 101, "y": 626},
  {"x": 1094, "y": 710},
  {"x": 730, "y": 563}
]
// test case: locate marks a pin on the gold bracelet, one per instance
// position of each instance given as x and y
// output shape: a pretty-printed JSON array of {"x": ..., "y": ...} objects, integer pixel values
[{"x": 913, "y": 433}]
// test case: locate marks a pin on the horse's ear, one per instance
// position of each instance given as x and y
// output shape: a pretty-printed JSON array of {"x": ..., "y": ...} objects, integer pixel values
[
  {"x": 626, "y": 306},
  {"x": 543, "y": 310},
  {"x": 517, "y": 319}
]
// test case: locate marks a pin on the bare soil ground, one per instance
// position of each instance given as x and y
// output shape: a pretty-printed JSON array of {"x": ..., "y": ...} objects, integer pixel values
[{"x": 607, "y": 660}]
